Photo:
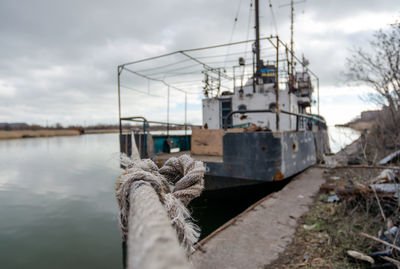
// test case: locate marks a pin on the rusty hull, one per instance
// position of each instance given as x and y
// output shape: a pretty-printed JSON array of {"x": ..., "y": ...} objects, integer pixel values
[{"x": 257, "y": 157}]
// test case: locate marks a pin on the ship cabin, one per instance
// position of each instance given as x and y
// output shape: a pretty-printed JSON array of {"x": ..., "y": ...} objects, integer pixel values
[{"x": 260, "y": 94}]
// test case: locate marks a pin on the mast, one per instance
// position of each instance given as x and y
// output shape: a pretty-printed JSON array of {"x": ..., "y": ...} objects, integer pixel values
[
  {"x": 258, "y": 60},
  {"x": 291, "y": 36}
]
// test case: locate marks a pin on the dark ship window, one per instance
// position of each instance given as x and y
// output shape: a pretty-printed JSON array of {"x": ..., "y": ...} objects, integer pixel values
[
  {"x": 242, "y": 107},
  {"x": 272, "y": 106}
]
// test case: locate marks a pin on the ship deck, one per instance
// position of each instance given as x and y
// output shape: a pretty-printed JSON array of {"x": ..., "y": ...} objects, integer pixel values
[{"x": 162, "y": 157}]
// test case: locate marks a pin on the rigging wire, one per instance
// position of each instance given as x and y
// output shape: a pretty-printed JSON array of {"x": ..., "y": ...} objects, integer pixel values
[
  {"x": 248, "y": 30},
  {"x": 161, "y": 66},
  {"x": 199, "y": 57},
  {"x": 273, "y": 17},
  {"x": 172, "y": 72},
  {"x": 139, "y": 91},
  {"x": 233, "y": 29}
]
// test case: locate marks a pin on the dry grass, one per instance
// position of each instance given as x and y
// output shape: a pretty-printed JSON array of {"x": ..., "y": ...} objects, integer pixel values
[
  {"x": 102, "y": 131},
  {"x": 335, "y": 229},
  {"x": 39, "y": 133},
  {"x": 362, "y": 125}
]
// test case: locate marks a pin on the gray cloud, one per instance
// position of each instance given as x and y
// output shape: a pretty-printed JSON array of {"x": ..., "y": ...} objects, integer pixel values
[{"x": 59, "y": 58}]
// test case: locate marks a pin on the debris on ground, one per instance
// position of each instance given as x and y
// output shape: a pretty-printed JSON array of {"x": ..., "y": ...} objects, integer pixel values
[
  {"x": 360, "y": 256},
  {"x": 386, "y": 176},
  {"x": 393, "y": 156},
  {"x": 352, "y": 203},
  {"x": 333, "y": 198},
  {"x": 256, "y": 128},
  {"x": 383, "y": 193}
]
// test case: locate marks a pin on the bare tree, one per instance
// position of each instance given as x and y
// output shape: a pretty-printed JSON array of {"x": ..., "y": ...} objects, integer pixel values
[{"x": 378, "y": 67}]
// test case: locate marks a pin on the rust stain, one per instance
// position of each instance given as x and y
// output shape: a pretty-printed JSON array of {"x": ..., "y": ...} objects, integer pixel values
[{"x": 278, "y": 175}]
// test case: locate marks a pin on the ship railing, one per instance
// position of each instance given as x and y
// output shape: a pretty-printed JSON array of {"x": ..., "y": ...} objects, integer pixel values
[
  {"x": 298, "y": 116},
  {"x": 147, "y": 123},
  {"x": 126, "y": 139}
]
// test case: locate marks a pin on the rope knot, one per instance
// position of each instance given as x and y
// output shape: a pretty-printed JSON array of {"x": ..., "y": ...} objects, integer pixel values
[{"x": 178, "y": 182}]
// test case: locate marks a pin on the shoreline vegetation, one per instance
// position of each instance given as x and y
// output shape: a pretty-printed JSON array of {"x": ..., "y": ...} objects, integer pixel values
[
  {"x": 21, "y": 130},
  {"x": 18, "y": 134}
]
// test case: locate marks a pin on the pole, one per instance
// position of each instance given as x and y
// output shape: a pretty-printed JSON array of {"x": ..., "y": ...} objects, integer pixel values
[
  {"x": 119, "y": 101},
  {"x": 291, "y": 34},
  {"x": 254, "y": 76},
  {"x": 257, "y": 38},
  {"x": 318, "y": 95},
  {"x": 290, "y": 88},
  {"x": 185, "y": 113},
  {"x": 234, "y": 78},
  {"x": 168, "y": 113},
  {"x": 277, "y": 84}
]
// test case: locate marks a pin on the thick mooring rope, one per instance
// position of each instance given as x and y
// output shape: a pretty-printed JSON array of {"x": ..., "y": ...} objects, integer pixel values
[{"x": 176, "y": 184}]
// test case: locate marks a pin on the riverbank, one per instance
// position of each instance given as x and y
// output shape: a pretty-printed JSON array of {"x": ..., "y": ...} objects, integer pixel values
[
  {"x": 298, "y": 227},
  {"x": 328, "y": 230},
  {"x": 101, "y": 131},
  {"x": 18, "y": 134},
  {"x": 344, "y": 208}
]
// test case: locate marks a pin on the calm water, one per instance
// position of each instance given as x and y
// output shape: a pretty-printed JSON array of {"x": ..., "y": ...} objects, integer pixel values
[
  {"x": 340, "y": 137},
  {"x": 57, "y": 206}
]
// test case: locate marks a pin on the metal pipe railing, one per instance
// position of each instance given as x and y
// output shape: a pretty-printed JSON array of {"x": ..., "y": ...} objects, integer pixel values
[
  {"x": 268, "y": 111},
  {"x": 141, "y": 119}
]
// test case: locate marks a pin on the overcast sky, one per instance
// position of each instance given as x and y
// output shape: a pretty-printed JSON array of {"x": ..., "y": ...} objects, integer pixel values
[{"x": 59, "y": 58}]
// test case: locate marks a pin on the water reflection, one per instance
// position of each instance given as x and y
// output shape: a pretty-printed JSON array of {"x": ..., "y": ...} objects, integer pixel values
[
  {"x": 57, "y": 203},
  {"x": 340, "y": 137}
]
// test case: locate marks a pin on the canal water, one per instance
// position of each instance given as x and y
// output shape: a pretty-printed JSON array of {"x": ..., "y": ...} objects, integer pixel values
[
  {"x": 340, "y": 137},
  {"x": 57, "y": 205}
]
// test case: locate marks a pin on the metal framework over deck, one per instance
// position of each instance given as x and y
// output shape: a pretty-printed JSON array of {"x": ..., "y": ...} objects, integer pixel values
[{"x": 204, "y": 71}]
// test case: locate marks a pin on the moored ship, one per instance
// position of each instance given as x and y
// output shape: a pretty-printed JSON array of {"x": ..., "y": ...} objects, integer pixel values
[{"x": 258, "y": 129}]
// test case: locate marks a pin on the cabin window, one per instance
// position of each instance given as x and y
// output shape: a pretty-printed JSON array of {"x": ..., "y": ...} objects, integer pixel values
[
  {"x": 272, "y": 106},
  {"x": 242, "y": 107}
]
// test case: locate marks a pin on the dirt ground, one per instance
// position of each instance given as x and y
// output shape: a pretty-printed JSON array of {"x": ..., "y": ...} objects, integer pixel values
[{"x": 328, "y": 230}]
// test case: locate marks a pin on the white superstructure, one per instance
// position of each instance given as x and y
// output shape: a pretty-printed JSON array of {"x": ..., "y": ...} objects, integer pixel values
[{"x": 261, "y": 96}]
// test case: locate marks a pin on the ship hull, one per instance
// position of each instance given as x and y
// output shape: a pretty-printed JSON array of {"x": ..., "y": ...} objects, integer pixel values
[
  {"x": 258, "y": 157},
  {"x": 249, "y": 158}
]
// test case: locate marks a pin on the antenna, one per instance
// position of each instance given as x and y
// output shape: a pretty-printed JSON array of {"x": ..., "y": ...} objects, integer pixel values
[
  {"x": 304, "y": 63},
  {"x": 292, "y": 3}
]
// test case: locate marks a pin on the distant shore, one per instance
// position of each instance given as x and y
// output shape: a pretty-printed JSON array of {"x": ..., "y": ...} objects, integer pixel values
[
  {"x": 101, "y": 131},
  {"x": 358, "y": 126},
  {"x": 17, "y": 134}
]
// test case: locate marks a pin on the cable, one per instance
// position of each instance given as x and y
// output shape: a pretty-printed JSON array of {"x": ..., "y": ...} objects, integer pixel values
[
  {"x": 161, "y": 66},
  {"x": 233, "y": 29},
  {"x": 136, "y": 90},
  {"x": 273, "y": 17},
  {"x": 248, "y": 30}
]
